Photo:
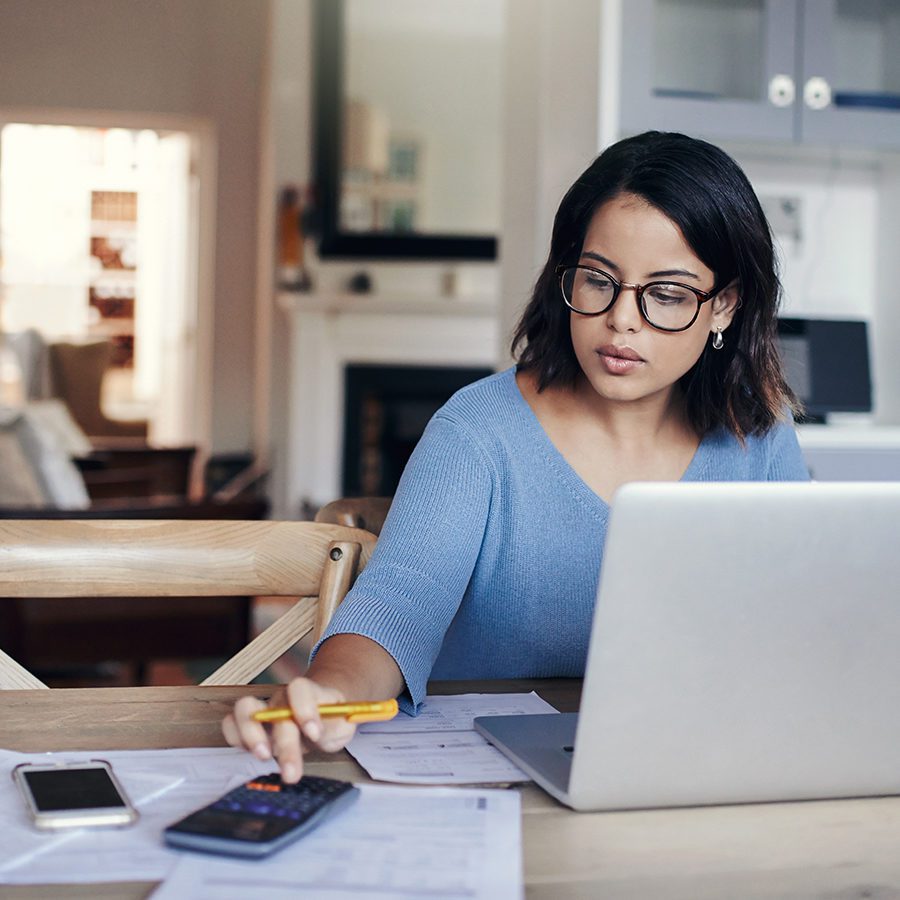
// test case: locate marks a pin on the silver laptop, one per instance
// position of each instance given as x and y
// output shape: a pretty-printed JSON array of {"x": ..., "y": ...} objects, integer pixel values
[{"x": 745, "y": 647}]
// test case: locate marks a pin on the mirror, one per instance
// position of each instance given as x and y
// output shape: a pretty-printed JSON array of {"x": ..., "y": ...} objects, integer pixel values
[{"x": 408, "y": 127}]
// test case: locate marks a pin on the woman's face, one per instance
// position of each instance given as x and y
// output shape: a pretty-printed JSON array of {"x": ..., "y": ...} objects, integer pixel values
[{"x": 621, "y": 355}]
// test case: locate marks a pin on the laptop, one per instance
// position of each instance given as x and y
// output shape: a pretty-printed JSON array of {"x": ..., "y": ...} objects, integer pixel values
[{"x": 745, "y": 647}]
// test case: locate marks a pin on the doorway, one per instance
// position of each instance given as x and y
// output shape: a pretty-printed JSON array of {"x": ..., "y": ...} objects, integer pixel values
[{"x": 99, "y": 233}]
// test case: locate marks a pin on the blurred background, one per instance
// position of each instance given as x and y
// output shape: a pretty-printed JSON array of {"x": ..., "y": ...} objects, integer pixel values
[{"x": 248, "y": 248}]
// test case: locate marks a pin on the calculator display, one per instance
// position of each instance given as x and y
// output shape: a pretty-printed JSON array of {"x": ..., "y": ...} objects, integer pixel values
[{"x": 243, "y": 826}]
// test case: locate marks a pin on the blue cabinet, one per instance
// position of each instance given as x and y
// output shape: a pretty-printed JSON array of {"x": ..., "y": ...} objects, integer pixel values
[
  {"x": 816, "y": 71},
  {"x": 851, "y": 72},
  {"x": 851, "y": 453}
]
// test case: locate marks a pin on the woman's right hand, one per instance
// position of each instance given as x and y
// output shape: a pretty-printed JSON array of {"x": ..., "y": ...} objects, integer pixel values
[{"x": 286, "y": 740}]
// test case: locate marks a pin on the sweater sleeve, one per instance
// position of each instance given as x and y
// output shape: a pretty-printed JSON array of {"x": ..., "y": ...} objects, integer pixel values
[
  {"x": 410, "y": 591},
  {"x": 785, "y": 459}
]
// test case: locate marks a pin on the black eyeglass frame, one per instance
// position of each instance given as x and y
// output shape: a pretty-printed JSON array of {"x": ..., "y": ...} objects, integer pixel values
[{"x": 702, "y": 296}]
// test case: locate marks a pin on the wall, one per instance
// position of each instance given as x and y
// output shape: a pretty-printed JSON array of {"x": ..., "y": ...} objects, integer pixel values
[
  {"x": 550, "y": 129},
  {"x": 202, "y": 59},
  {"x": 828, "y": 253},
  {"x": 291, "y": 135},
  {"x": 886, "y": 336}
]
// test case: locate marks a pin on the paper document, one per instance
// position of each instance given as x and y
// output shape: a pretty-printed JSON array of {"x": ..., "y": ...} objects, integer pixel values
[
  {"x": 164, "y": 785},
  {"x": 394, "y": 842},
  {"x": 440, "y": 745}
]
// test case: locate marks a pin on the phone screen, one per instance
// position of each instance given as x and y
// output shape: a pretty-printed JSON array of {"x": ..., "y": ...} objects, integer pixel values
[{"x": 62, "y": 789}]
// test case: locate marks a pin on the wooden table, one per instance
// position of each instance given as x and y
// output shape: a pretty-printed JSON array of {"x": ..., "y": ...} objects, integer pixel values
[{"x": 827, "y": 849}]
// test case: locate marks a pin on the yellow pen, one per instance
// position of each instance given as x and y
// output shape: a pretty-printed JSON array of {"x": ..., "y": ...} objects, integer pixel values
[{"x": 362, "y": 711}]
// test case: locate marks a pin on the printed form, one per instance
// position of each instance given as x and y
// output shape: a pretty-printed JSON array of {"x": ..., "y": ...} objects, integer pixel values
[
  {"x": 394, "y": 842},
  {"x": 440, "y": 745}
]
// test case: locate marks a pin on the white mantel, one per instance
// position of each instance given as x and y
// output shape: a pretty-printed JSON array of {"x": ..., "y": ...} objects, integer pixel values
[{"x": 329, "y": 332}]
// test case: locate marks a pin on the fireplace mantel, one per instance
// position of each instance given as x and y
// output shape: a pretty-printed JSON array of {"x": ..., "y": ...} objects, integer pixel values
[
  {"x": 388, "y": 304},
  {"x": 331, "y": 331}
]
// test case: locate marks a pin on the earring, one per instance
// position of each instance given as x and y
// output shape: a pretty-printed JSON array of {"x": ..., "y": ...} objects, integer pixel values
[{"x": 718, "y": 341}]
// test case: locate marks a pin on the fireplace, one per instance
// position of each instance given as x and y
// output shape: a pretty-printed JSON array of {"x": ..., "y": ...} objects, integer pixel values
[
  {"x": 386, "y": 409},
  {"x": 458, "y": 341}
]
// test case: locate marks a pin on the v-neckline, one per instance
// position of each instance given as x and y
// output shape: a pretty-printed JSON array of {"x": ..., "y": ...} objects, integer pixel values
[{"x": 564, "y": 467}]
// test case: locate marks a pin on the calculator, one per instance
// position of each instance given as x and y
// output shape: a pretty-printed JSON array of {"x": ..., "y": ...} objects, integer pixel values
[{"x": 261, "y": 816}]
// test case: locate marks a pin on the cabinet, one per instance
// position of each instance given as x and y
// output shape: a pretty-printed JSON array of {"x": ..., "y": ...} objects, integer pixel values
[
  {"x": 817, "y": 71},
  {"x": 851, "y": 453}
]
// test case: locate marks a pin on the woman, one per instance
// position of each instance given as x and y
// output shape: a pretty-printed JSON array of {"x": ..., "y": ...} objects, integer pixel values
[{"x": 647, "y": 352}]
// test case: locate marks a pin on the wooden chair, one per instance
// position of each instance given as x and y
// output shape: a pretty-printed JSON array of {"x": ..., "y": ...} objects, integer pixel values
[
  {"x": 367, "y": 513},
  {"x": 315, "y": 562},
  {"x": 60, "y": 639}
]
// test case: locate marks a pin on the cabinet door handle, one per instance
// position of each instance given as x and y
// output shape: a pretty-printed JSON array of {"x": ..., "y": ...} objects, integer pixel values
[
  {"x": 781, "y": 90},
  {"x": 817, "y": 93}
]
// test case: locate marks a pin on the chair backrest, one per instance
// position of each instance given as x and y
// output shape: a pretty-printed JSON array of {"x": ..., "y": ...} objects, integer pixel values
[
  {"x": 368, "y": 513},
  {"x": 315, "y": 562}
]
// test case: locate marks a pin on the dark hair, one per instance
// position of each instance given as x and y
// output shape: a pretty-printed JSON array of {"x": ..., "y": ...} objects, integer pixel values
[{"x": 707, "y": 195}]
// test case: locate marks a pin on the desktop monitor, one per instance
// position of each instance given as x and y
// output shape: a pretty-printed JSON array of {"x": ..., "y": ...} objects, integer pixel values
[{"x": 827, "y": 365}]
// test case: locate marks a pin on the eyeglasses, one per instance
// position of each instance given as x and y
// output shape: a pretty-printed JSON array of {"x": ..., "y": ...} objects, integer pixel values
[{"x": 665, "y": 305}]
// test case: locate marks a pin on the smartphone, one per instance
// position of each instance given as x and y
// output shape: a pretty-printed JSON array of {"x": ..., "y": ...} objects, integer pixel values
[{"x": 73, "y": 795}]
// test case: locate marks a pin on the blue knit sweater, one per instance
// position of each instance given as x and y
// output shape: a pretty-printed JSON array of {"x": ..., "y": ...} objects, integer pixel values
[{"x": 488, "y": 562}]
